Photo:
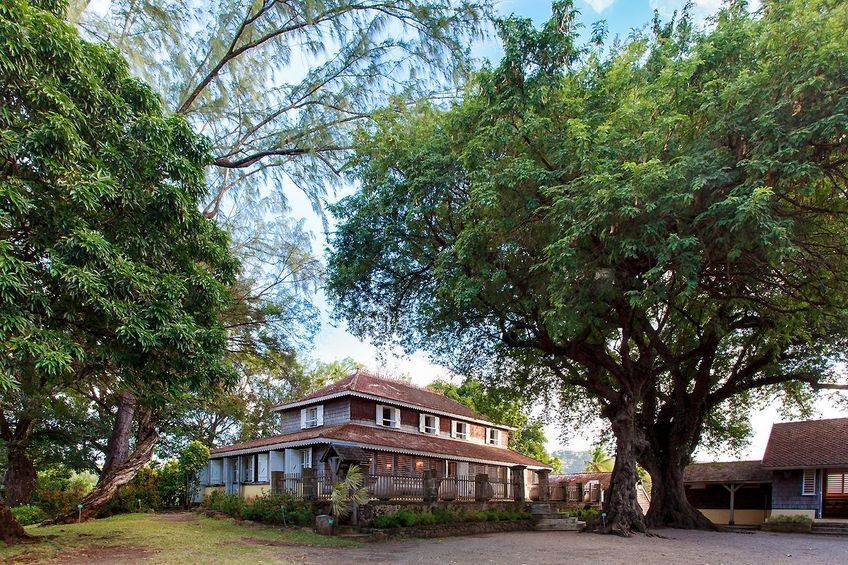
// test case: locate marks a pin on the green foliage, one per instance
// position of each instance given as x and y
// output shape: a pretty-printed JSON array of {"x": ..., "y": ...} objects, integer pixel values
[
  {"x": 408, "y": 518},
  {"x": 28, "y": 514},
  {"x": 599, "y": 461},
  {"x": 59, "y": 490},
  {"x": 653, "y": 232},
  {"x": 268, "y": 509},
  {"x": 349, "y": 492}
]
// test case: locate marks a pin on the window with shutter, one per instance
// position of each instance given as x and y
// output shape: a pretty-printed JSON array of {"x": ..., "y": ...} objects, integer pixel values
[
  {"x": 493, "y": 436},
  {"x": 384, "y": 463},
  {"x": 459, "y": 430},
  {"x": 388, "y": 416},
  {"x": 808, "y": 487},
  {"x": 837, "y": 483},
  {"x": 428, "y": 424},
  {"x": 312, "y": 417}
]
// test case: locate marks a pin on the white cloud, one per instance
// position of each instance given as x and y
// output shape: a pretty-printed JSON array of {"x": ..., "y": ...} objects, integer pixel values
[{"x": 599, "y": 5}]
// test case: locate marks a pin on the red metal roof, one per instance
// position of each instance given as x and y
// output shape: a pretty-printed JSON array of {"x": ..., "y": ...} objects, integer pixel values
[
  {"x": 393, "y": 440},
  {"x": 392, "y": 389},
  {"x": 810, "y": 443}
]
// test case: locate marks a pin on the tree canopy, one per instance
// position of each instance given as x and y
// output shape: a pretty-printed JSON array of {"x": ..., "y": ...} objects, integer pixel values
[
  {"x": 109, "y": 273},
  {"x": 660, "y": 225}
]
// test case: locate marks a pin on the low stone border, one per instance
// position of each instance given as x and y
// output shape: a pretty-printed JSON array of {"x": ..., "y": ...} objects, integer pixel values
[
  {"x": 452, "y": 529},
  {"x": 787, "y": 527}
]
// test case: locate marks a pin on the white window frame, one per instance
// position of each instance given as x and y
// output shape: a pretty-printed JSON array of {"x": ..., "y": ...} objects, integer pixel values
[
  {"x": 393, "y": 422},
  {"x": 809, "y": 475},
  {"x": 493, "y": 434},
  {"x": 305, "y": 458},
  {"x": 312, "y": 417},
  {"x": 216, "y": 478},
  {"x": 455, "y": 433},
  {"x": 262, "y": 471},
  {"x": 424, "y": 428}
]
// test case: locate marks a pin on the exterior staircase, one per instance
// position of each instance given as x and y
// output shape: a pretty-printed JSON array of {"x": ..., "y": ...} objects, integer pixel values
[
  {"x": 548, "y": 520},
  {"x": 830, "y": 528}
]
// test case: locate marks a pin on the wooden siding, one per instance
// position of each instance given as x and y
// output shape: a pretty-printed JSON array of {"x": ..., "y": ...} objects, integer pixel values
[{"x": 336, "y": 412}]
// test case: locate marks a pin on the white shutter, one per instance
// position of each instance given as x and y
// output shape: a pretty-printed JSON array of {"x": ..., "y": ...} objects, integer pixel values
[
  {"x": 453, "y": 428},
  {"x": 397, "y": 417},
  {"x": 379, "y": 417},
  {"x": 808, "y": 486},
  {"x": 302, "y": 418},
  {"x": 251, "y": 462},
  {"x": 421, "y": 422},
  {"x": 263, "y": 467},
  {"x": 436, "y": 420},
  {"x": 320, "y": 415}
]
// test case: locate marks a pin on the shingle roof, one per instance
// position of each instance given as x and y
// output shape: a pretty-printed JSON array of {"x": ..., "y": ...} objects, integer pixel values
[
  {"x": 392, "y": 440},
  {"x": 810, "y": 443},
  {"x": 392, "y": 389},
  {"x": 727, "y": 472}
]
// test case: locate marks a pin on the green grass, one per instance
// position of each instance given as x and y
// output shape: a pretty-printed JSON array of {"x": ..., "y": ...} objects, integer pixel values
[{"x": 164, "y": 538}]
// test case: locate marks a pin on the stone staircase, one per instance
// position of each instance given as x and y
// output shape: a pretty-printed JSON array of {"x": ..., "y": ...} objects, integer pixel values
[
  {"x": 548, "y": 520},
  {"x": 830, "y": 528}
]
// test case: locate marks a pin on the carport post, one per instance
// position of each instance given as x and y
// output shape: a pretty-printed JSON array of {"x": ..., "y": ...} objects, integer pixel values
[{"x": 732, "y": 489}]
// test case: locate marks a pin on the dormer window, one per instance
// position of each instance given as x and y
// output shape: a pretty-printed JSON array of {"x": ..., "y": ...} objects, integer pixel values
[
  {"x": 459, "y": 430},
  {"x": 493, "y": 436},
  {"x": 388, "y": 416},
  {"x": 312, "y": 417},
  {"x": 428, "y": 424}
]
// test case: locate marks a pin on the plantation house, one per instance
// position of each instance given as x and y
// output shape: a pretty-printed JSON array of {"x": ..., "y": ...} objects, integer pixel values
[{"x": 412, "y": 443}]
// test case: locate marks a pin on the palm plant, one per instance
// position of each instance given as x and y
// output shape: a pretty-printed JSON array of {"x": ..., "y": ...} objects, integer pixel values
[
  {"x": 600, "y": 461},
  {"x": 348, "y": 493}
]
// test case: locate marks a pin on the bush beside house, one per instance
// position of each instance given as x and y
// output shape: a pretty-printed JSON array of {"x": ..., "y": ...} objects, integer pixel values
[{"x": 267, "y": 509}]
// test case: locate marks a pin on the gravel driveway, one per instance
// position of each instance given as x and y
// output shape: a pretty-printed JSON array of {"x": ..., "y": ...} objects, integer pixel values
[{"x": 539, "y": 548}]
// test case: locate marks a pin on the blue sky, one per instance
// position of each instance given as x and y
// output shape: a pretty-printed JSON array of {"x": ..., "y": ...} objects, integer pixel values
[{"x": 333, "y": 342}]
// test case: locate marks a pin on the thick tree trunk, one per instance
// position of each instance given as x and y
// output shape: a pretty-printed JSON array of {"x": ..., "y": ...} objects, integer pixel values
[
  {"x": 10, "y": 530},
  {"x": 624, "y": 514},
  {"x": 118, "y": 448},
  {"x": 109, "y": 484},
  {"x": 20, "y": 475},
  {"x": 669, "y": 506}
]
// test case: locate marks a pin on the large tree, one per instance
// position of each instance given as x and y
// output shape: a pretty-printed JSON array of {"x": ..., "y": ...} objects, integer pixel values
[
  {"x": 109, "y": 271},
  {"x": 662, "y": 225},
  {"x": 278, "y": 86}
]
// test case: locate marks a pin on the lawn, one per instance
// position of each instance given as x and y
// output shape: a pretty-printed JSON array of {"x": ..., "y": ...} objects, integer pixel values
[{"x": 163, "y": 538}]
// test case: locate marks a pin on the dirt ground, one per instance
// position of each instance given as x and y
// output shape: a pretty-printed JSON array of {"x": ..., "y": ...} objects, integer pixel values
[{"x": 541, "y": 548}]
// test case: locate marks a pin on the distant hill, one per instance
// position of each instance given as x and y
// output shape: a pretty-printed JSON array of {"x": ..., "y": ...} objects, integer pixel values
[{"x": 572, "y": 461}]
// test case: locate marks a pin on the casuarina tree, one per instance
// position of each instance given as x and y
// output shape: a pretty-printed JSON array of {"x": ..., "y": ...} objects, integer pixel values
[
  {"x": 660, "y": 226},
  {"x": 108, "y": 270}
]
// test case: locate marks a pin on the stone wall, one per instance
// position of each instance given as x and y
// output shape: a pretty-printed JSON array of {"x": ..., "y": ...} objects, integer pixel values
[
  {"x": 377, "y": 508},
  {"x": 786, "y": 493},
  {"x": 456, "y": 529}
]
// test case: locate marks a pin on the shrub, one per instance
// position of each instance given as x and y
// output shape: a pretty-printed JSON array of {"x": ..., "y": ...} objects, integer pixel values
[
  {"x": 783, "y": 519},
  {"x": 28, "y": 514},
  {"x": 58, "y": 490},
  {"x": 268, "y": 509}
]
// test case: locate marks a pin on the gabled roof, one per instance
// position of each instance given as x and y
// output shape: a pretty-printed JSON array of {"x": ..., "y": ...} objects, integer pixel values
[
  {"x": 727, "y": 472},
  {"x": 807, "y": 444},
  {"x": 370, "y": 385},
  {"x": 382, "y": 439}
]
